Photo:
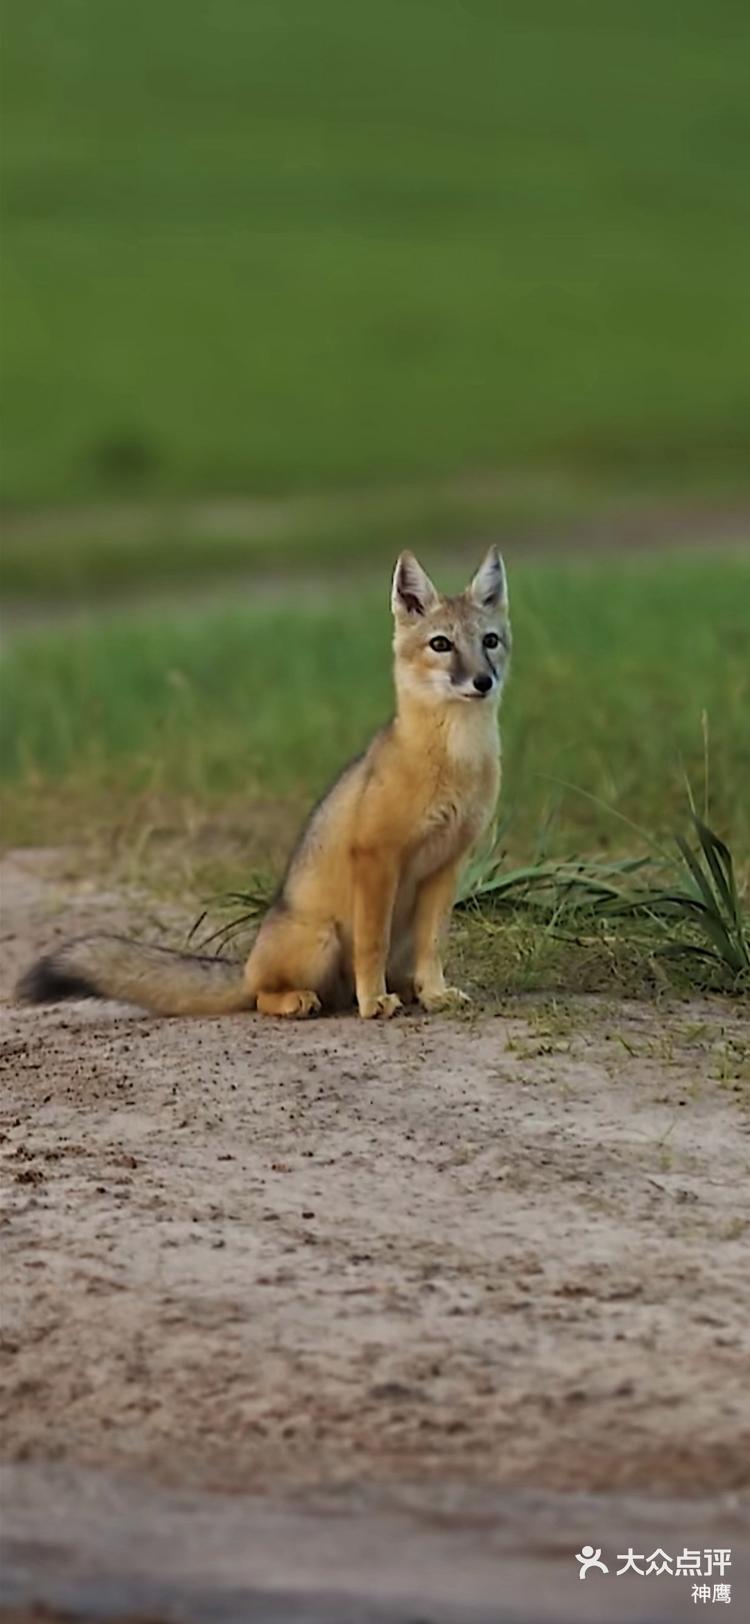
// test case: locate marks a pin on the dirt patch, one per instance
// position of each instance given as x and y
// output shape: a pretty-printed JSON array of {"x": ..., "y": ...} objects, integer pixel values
[
  {"x": 509, "y": 1251},
  {"x": 265, "y": 540}
]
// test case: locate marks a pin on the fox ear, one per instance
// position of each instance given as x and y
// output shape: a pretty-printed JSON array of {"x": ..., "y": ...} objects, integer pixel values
[
  {"x": 413, "y": 592},
  {"x": 489, "y": 587}
]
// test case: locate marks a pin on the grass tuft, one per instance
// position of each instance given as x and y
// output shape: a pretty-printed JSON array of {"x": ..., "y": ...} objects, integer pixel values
[
  {"x": 252, "y": 904},
  {"x": 709, "y": 904},
  {"x": 701, "y": 901}
]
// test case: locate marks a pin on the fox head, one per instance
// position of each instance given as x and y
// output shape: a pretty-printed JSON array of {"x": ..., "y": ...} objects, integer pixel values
[{"x": 451, "y": 650}]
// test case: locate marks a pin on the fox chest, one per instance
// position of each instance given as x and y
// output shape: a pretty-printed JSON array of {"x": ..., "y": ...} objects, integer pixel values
[{"x": 453, "y": 822}]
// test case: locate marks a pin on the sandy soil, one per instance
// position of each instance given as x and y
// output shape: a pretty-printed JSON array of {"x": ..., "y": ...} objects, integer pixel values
[{"x": 240, "y": 1254}]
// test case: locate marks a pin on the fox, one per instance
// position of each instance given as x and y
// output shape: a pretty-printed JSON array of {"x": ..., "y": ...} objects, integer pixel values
[{"x": 359, "y": 916}]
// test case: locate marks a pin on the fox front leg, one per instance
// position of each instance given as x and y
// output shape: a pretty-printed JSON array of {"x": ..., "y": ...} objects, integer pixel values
[
  {"x": 434, "y": 902},
  {"x": 375, "y": 883}
]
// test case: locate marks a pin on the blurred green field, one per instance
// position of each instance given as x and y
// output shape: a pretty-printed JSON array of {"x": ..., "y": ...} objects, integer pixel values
[
  {"x": 272, "y": 247},
  {"x": 286, "y": 287},
  {"x": 614, "y": 666}
]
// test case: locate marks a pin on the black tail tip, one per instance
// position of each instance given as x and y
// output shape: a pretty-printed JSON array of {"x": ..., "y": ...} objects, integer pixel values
[{"x": 49, "y": 982}]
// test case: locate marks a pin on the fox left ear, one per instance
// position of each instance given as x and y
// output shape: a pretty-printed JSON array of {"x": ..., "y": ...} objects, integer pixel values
[
  {"x": 489, "y": 587},
  {"x": 412, "y": 592}
]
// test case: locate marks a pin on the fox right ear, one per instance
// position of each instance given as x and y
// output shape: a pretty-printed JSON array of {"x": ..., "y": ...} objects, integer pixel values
[
  {"x": 413, "y": 592},
  {"x": 489, "y": 587}
]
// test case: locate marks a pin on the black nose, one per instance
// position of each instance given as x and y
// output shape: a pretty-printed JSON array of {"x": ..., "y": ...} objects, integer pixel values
[{"x": 483, "y": 683}]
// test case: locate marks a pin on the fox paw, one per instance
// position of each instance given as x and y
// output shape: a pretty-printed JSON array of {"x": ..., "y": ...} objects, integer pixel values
[
  {"x": 380, "y": 1008},
  {"x": 295, "y": 1005},
  {"x": 302, "y": 1004},
  {"x": 448, "y": 998}
]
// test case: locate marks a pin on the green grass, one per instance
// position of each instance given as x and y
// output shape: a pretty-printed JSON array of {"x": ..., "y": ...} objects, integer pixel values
[
  {"x": 279, "y": 247},
  {"x": 614, "y": 665},
  {"x": 630, "y": 681},
  {"x": 687, "y": 898}
]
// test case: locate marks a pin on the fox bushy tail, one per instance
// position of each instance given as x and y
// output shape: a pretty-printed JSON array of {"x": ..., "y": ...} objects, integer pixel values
[{"x": 160, "y": 980}]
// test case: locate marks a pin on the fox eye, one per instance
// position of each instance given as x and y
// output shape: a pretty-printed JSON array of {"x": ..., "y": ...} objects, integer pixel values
[
  {"x": 491, "y": 640},
  {"x": 441, "y": 645}
]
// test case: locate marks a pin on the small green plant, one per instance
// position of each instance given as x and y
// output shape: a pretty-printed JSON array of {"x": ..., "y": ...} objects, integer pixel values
[
  {"x": 252, "y": 905},
  {"x": 708, "y": 902},
  {"x": 693, "y": 894},
  {"x": 549, "y": 888}
]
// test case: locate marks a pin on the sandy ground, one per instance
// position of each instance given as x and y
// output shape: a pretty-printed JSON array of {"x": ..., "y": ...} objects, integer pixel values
[{"x": 240, "y": 1254}]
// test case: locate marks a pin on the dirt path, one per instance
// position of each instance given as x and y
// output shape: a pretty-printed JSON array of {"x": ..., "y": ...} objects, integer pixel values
[
  {"x": 610, "y": 526},
  {"x": 555, "y": 511},
  {"x": 96, "y": 1549},
  {"x": 239, "y": 1255}
]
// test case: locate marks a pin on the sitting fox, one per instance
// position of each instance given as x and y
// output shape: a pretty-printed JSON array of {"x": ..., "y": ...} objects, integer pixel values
[{"x": 373, "y": 876}]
